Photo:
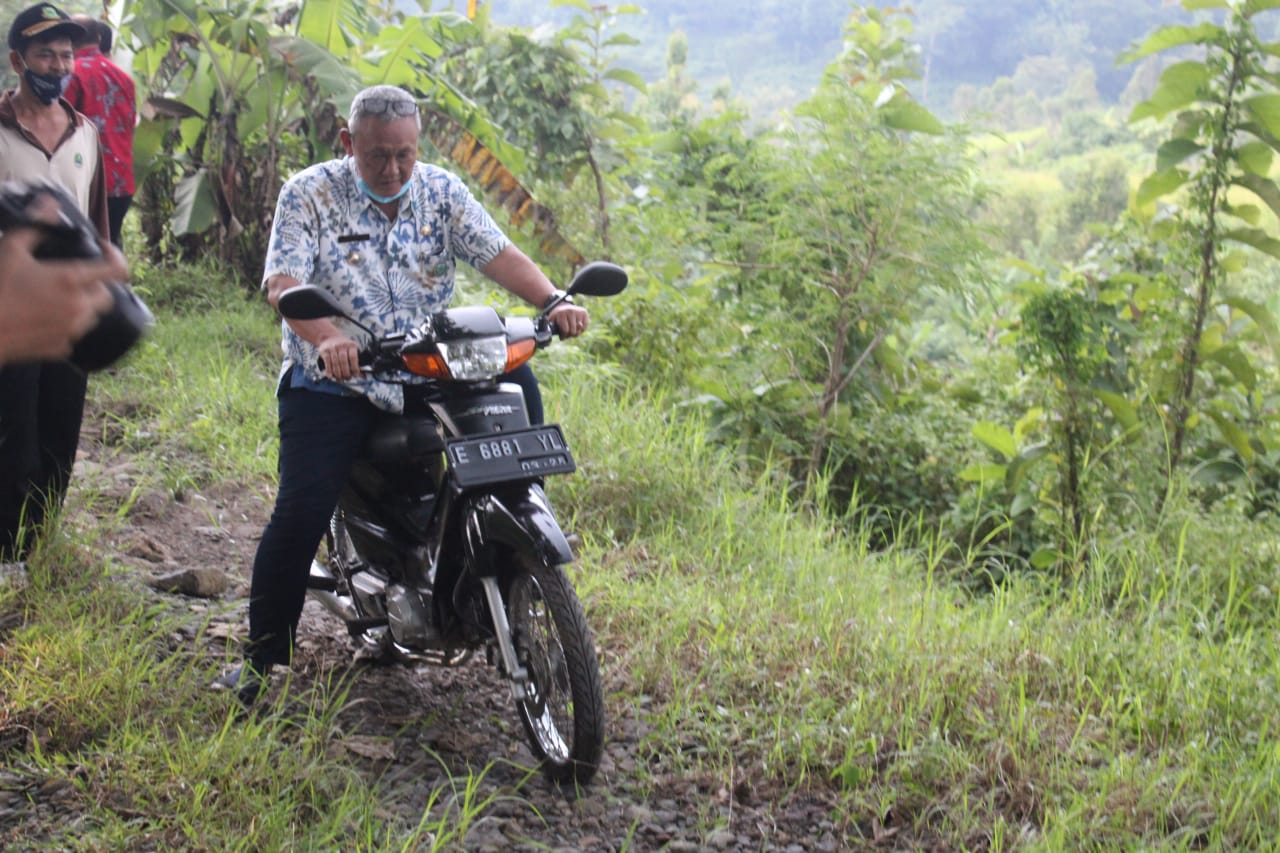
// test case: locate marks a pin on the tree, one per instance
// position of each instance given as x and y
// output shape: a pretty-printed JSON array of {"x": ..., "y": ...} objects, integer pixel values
[
  {"x": 674, "y": 98},
  {"x": 864, "y": 209},
  {"x": 221, "y": 84},
  {"x": 1218, "y": 157},
  {"x": 592, "y": 32}
]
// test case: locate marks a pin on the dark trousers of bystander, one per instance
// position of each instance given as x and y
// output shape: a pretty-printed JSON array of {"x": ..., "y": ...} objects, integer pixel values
[
  {"x": 117, "y": 207},
  {"x": 41, "y": 406},
  {"x": 320, "y": 436}
]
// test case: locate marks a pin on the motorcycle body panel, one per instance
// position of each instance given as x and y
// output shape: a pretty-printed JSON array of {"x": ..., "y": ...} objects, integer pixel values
[
  {"x": 498, "y": 410},
  {"x": 517, "y": 518}
]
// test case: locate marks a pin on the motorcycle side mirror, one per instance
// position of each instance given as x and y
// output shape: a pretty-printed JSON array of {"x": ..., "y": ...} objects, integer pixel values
[
  {"x": 599, "y": 278},
  {"x": 308, "y": 302}
]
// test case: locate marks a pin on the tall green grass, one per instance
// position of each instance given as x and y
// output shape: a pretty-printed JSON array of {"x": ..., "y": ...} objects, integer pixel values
[
  {"x": 759, "y": 642},
  {"x": 1135, "y": 706},
  {"x": 196, "y": 397}
]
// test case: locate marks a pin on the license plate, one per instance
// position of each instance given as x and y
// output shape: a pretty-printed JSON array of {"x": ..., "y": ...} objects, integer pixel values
[{"x": 509, "y": 457}]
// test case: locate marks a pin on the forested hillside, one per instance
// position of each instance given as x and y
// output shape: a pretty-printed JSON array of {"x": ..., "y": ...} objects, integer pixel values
[
  {"x": 929, "y": 465},
  {"x": 772, "y": 52}
]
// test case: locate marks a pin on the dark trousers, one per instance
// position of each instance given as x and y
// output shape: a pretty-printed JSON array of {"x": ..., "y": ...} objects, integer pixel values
[
  {"x": 41, "y": 405},
  {"x": 117, "y": 207},
  {"x": 320, "y": 436}
]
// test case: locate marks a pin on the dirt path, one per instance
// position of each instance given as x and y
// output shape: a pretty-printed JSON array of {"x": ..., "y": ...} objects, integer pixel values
[{"x": 410, "y": 729}]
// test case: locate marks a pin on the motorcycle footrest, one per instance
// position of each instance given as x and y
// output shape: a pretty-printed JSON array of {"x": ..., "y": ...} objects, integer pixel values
[
  {"x": 359, "y": 626},
  {"x": 322, "y": 584}
]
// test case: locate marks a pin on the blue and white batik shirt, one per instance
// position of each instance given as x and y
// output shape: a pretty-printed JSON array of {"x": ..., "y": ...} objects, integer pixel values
[{"x": 388, "y": 275}]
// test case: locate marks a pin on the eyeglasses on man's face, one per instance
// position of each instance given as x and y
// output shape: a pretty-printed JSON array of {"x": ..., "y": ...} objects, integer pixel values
[{"x": 380, "y": 104}]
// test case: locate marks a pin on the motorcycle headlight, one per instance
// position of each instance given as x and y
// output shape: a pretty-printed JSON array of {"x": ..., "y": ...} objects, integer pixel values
[{"x": 475, "y": 358}]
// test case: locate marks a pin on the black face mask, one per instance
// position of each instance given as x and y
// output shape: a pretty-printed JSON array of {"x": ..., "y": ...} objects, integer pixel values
[{"x": 46, "y": 87}]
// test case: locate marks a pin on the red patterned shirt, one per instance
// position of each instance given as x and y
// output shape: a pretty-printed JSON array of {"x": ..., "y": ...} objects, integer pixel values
[{"x": 104, "y": 92}]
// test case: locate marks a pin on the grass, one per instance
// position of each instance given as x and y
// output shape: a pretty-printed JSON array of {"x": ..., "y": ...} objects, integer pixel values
[
  {"x": 1135, "y": 708},
  {"x": 196, "y": 397},
  {"x": 109, "y": 707},
  {"x": 761, "y": 646}
]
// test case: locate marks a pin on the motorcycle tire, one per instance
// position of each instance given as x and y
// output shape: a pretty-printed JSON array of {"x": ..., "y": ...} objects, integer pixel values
[{"x": 563, "y": 715}]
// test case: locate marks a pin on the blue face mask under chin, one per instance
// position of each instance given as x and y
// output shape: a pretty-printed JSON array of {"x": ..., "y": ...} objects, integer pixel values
[{"x": 381, "y": 199}]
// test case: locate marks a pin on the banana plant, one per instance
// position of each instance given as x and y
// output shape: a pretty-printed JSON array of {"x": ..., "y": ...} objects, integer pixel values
[
  {"x": 236, "y": 92},
  {"x": 225, "y": 87}
]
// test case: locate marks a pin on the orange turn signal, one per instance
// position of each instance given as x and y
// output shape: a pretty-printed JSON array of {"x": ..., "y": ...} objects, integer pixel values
[
  {"x": 428, "y": 364},
  {"x": 520, "y": 352}
]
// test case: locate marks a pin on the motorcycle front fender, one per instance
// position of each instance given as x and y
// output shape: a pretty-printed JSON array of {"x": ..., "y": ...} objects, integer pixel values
[{"x": 518, "y": 518}]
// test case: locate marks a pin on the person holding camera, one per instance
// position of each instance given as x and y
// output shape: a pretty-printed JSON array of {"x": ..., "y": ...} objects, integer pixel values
[
  {"x": 46, "y": 306},
  {"x": 42, "y": 403}
]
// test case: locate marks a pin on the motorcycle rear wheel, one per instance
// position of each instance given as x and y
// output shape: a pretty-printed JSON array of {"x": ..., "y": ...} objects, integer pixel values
[{"x": 563, "y": 715}]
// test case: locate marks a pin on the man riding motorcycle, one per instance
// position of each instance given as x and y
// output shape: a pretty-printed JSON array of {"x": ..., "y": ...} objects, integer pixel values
[{"x": 381, "y": 231}]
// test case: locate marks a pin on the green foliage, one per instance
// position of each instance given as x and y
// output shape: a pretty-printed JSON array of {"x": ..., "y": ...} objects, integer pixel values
[
  {"x": 238, "y": 95},
  {"x": 593, "y": 33},
  {"x": 1066, "y": 337},
  {"x": 674, "y": 99},
  {"x": 854, "y": 221},
  {"x": 1097, "y": 194},
  {"x": 1227, "y": 120},
  {"x": 561, "y": 100},
  {"x": 1046, "y": 210},
  {"x": 1051, "y": 95},
  {"x": 759, "y": 636},
  {"x": 689, "y": 184},
  {"x": 901, "y": 466},
  {"x": 1027, "y": 669},
  {"x": 223, "y": 86},
  {"x": 1088, "y": 130},
  {"x": 528, "y": 88}
]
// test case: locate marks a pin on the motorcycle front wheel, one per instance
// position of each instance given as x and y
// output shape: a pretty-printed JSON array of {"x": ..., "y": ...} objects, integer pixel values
[{"x": 563, "y": 713}]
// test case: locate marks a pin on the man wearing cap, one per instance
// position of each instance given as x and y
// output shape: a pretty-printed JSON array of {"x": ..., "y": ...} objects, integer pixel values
[{"x": 42, "y": 403}]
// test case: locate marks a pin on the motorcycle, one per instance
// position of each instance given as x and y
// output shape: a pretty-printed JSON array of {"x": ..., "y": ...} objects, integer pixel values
[{"x": 444, "y": 542}]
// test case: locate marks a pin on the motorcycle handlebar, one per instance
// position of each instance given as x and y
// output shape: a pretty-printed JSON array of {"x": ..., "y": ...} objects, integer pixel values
[
  {"x": 544, "y": 330},
  {"x": 386, "y": 350},
  {"x": 365, "y": 359},
  {"x": 385, "y": 353}
]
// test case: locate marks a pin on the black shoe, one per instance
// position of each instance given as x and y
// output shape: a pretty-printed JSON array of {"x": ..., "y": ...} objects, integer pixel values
[{"x": 249, "y": 680}]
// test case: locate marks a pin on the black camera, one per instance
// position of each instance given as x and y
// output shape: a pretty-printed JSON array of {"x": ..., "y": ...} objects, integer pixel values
[{"x": 67, "y": 236}]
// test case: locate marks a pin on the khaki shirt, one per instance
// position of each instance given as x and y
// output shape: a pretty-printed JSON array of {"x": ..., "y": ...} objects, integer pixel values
[{"x": 76, "y": 162}]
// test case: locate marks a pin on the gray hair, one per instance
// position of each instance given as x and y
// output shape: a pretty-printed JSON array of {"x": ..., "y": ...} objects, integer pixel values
[{"x": 386, "y": 103}]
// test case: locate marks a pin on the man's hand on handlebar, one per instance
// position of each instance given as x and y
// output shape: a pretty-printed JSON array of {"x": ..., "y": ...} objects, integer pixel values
[
  {"x": 339, "y": 356},
  {"x": 569, "y": 319}
]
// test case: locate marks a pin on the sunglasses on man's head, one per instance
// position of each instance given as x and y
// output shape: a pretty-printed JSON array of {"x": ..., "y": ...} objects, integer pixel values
[{"x": 379, "y": 105}]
